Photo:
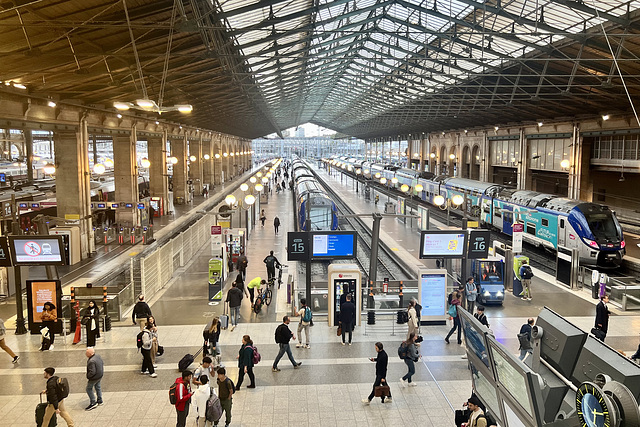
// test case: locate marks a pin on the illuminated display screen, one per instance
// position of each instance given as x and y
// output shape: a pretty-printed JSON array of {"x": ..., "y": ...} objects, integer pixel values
[
  {"x": 37, "y": 250},
  {"x": 128, "y": 205},
  {"x": 512, "y": 379},
  {"x": 3, "y": 177},
  {"x": 490, "y": 272},
  {"x": 115, "y": 205},
  {"x": 102, "y": 205},
  {"x": 334, "y": 245},
  {"x": 140, "y": 205},
  {"x": 22, "y": 205},
  {"x": 443, "y": 244},
  {"x": 433, "y": 294}
]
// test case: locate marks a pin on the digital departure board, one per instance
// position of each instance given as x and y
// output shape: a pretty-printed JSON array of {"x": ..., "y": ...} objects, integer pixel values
[
  {"x": 36, "y": 250},
  {"x": 443, "y": 244},
  {"x": 334, "y": 244}
]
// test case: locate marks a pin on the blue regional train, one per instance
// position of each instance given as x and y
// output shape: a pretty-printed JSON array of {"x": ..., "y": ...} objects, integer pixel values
[
  {"x": 312, "y": 201},
  {"x": 549, "y": 221}
]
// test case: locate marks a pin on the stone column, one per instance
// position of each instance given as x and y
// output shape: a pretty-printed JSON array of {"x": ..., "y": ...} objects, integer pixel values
[
  {"x": 179, "y": 151},
  {"x": 73, "y": 197},
  {"x": 484, "y": 165},
  {"x": 158, "y": 179},
  {"x": 195, "y": 168},
  {"x": 125, "y": 172},
  {"x": 28, "y": 142},
  {"x": 207, "y": 164}
]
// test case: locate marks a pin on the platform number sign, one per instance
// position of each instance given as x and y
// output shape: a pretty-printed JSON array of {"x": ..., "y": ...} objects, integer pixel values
[
  {"x": 5, "y": 257},
  {"x": 478, "y": 244},
  {"x": 297, "y": 246}
]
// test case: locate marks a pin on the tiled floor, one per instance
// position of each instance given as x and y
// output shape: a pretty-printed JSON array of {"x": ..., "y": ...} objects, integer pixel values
[{"x": 326, "y": 391}]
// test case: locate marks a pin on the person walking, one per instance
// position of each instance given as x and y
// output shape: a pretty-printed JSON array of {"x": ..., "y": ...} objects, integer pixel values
[
  {"x": 55, "y": 402},
  {"x": 524, "y": 338},
  {"x": 411, "y": 357},
  {"x": 276, "y": 223},
  {"x": 49, "y": 318},
  {"x": 305, "y": 323},
  {"x": 413, "y": 319},
  {"x": 382, "y": 361},
  {"x": 272, "y": 262},
  {"x": 471, "y": 292},
  {"x": 526, "y": 274},
  {"x": 283, "y": 335},
  {"x": 263, "y": 217},
  {"x": 245, "y": 362},
  {"x": 141, "y": 312},
  {"x": 200, "y": 398},
  {"x": 91, "y": 319},
  {"x": 225, "y": 394},
  {"x": 95, "y": 372},
  {"x": 183, "y": 398},
  {"x": 234, "y": 298},
  {"x": 347, "y": 318},
  {"x": 241, "y": 264},
  {"x": 602, "y": 316},
  {"x": 3, "y": 345},
  {"x": 147, "y": 342},
  {"x": 455, "y": 316},
  {"x": 256, "y": 282},
  {"x": 211, "y": 335}
]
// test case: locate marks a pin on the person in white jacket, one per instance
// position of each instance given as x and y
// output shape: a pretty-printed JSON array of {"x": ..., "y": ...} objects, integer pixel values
[
  {"x": 201, "y": 396},
  {"x": 413, "y": 319}
]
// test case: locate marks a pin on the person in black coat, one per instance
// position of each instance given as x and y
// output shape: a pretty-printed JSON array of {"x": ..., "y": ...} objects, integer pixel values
[
  {"x": 347, "y": 318},
  {"x": 92, "y": 323},
  {"x": 382, "y": 360},
  {"x": 602, "y": 315}
]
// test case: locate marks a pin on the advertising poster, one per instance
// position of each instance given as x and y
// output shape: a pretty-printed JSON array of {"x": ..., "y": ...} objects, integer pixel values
[
  {"x": 38, "y": 293},
  {"x": 516, "y": 243},
  {"x": 433, "y": 294}
]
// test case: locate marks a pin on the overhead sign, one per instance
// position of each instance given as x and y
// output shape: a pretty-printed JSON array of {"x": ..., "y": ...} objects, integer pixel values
[
  {"x": 297, "y": 246},
  {"x": 5, "y": 255},
  {"x": 333, "y": 244},
  {"x": 443, "y": 244},
  {"x": 478, "y": 244},
  {"x": 516, "y": 242},
  {"x": 36, "y": 250}
]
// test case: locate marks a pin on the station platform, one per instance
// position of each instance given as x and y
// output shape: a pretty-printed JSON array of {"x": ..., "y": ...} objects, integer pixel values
[{"x": 328, "y": 388}]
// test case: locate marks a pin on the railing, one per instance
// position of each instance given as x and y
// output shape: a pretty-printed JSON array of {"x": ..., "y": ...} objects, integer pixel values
[
  {"x": 385, "y": 322},
  {"x": 624, "y": 291}
]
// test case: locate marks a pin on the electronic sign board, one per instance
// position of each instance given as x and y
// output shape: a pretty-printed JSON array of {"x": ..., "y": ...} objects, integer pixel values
[
  {"x": 433, "y": 293},
  {"x": 333, "y": 245},
  {"x": 443, "y": 244},
  {"x": 36, "y": 250},
  {"x": 297, "y": 246}
]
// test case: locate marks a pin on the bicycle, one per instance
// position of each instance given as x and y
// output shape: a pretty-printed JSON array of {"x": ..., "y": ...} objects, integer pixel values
[{"x": 263, "y": 298}]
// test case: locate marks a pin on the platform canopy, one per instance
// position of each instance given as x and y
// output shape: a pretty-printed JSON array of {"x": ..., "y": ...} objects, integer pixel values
[{"x": 362, "y": 67}]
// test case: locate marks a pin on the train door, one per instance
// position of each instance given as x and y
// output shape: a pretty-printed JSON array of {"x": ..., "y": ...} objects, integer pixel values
[
  {"x": 562, "y": 228},
  {"x": 507, "y": 222},
  {"x": 485, "y": 213}
]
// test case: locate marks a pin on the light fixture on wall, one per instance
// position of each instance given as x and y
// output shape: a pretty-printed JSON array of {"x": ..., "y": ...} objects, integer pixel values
[
  {"x": 564, "y": 164},
  {"x": 145, "y": 163}
]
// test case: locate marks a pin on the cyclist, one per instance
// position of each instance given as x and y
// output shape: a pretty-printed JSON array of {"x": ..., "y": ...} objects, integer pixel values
[
  {"x": 272, "y": 262},
  {"x": 253, "y": 284}
]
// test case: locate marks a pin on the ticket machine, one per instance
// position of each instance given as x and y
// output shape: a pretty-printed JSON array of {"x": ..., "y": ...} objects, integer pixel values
[
  {"x": 344, "y": 279},
  {"x": 215, "y": 279}
]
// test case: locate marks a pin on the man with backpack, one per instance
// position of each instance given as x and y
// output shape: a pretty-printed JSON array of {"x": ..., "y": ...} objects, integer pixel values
[
  {"x": 525, "y": 278},
  {"x": 241, "y": 264},
  {"x": 180, "y": 396},
  {"x": 471, "y": 292},
  {"x": 226, "y": 388},
  {"x": 57, "y": 390},
  {"x": 200, "y": 401},
  {"x": 524, "y": 338},
  {"x": 272, "y": 262},
  {"x": 408, "y": 351},
  {"x": 305, "y": 321},
  {"x": 283, "y": 335},
  {"x": 141, "y": 312}
]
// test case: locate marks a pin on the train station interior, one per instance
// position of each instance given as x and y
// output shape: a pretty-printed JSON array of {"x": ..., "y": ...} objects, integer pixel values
[{"x": 146, "y": 146}]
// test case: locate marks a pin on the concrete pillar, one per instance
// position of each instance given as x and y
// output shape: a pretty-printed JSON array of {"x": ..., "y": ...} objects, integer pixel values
[
  {"x": 522, "y": 162},
  {"x": 217, "y": 159},
  {"x": 179, "y": 151},
  {"x": 158, "y": 179},
  {"x": 195, "y": 167},
  {"x": 575, "y": 168},
  {"x": 28, "y": 142},
  {"x": 125, "y": 172},
  {"x": 484, "y": 165},
  {"x": 207, "y": 164},
  {"x": 73, "y": 197}
]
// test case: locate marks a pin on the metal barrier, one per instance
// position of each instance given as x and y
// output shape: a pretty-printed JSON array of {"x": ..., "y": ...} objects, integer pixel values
[
  {"x": 624, "y": 291},
  {"x": 386, "y": 322}
]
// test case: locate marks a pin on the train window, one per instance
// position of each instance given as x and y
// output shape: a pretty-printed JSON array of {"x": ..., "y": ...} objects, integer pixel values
[
  {"x": 531, "y": 228},
  {"x": 545, "y": 222},
  {"x": 561, "y": 223},
  {"x": 486, "y": 208},
  {"x": 508, "y": 217},
  {"x": 497, "y": 212}
]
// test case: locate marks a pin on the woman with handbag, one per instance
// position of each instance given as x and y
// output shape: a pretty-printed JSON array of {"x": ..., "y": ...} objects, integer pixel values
[
  {"x": 49, "y": 318},
  {"x": 91, "y": 320},
  {"x": 211, "y": 335},
  {"x": 453, "y": 312},
  {"x": 154, "y": 339},
  {"x": 380, "y": 386}
]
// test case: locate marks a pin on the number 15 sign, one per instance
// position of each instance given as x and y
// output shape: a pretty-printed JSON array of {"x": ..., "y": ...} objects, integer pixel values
[{"x": 297, "y": 246}]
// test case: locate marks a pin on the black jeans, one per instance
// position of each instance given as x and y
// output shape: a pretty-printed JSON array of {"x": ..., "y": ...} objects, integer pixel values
[
  {"x": 251, "y": 294},
  {"x": 378, "y": 382},
  {"x": 91, "y": 337},
  {"x": 347, "y": 327},
  {"x": 456, "y": 325},
  {"x": 271, "y": 273},
  {"x": 147, "y": 364},
  {"x": 252, "y": 377},
  {"x": 51, "y": 325},
  {"x": 182, "y": 415}
]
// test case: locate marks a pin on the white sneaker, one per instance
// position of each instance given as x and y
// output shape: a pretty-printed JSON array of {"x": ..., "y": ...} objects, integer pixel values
[
  {"x": 343, "y": 344},
  {"x": 232, "y": 328},
  {"x": 403, "y": 382},
  {"x": 414, "y": 384},
  {"x": 298, "y": 345},
  {"x": 153, "y": 375},
  {"x": 51, "y": 347},
  {"x": 366, "y": 401},
  {"x": 155, "y": 366}
]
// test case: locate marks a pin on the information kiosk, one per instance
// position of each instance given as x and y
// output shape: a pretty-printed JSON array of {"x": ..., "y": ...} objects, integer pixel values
[
  {"x": 432, "y": 295},
  {"x": 344, "y": 279},
  {"x": 215, "y": 279}
]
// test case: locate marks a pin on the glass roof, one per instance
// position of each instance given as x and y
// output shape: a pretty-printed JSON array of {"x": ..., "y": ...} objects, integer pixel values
[{"x": 342, "y": 62}]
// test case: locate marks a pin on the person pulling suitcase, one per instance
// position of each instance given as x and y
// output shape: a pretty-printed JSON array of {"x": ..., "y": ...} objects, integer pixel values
[{"x": 56, "y": 394}]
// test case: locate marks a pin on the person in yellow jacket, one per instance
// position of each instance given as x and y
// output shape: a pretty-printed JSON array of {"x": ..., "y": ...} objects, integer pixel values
[{"x": 253, "y": 284}]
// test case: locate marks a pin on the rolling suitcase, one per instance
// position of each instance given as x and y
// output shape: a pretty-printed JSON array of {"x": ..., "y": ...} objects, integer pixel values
[
  {"x": 40, "y": 410},
  {"x": 187, "y": 360},
  {"x": 224, "y": 319}
]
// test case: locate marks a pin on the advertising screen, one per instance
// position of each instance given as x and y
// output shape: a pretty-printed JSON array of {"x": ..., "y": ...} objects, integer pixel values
[
  {"x": 433, "y": 293},
  {"x": 36, "y": 250},
  {"x": 334, "y": 245},
  {"x": 443, "y": 244},
  {"x": 38, "y": 293}
]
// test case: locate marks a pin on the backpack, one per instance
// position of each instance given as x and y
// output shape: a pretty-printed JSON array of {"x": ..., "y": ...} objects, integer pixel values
[
  {"x": 62, "y": 388},
  {"x": 256, "y": 358},
  {"x": 403, "y": 350},
  {"x": 213, "y": 413},
  {"x": 307, "y": 315},
  {"x": 403, "y": 317},
  {"x": 453, "y": 310},
  {"x": 173, "y": 393},
  {"x": 526, "y": 272},
  {"x": 139, "y": 340}
]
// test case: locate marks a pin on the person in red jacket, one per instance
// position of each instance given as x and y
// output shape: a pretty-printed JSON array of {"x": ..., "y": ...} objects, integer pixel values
[{"x": 183, "y": 395}]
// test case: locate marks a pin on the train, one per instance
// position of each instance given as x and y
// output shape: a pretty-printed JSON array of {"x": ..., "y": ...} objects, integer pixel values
[
  {"x": 312, "y": 201},
  {"x": 549, "y": 220}
]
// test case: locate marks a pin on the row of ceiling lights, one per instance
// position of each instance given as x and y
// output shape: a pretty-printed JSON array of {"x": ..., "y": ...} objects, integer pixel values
[{"x": 250, "y": 199}]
